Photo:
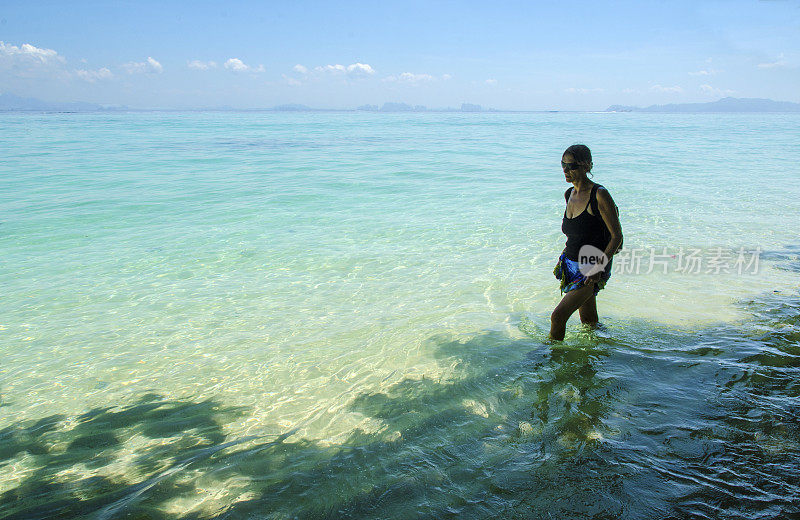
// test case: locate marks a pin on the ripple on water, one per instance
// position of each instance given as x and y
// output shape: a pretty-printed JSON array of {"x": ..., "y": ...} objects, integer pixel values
[{"x": 644, "y": 423}]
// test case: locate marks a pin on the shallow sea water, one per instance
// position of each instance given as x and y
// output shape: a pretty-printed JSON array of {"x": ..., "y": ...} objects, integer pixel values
[{"x": 343, "y": 315}]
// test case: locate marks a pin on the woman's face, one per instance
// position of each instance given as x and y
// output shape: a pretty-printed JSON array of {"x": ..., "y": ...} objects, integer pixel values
[{"x": 572, "y": 170}]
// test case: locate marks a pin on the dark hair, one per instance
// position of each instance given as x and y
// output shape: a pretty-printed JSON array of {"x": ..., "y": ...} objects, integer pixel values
[{"x": 581, "y": 154}]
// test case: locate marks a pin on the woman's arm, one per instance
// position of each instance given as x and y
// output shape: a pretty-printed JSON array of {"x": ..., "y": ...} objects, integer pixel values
[{"x": 608, "y": 211}]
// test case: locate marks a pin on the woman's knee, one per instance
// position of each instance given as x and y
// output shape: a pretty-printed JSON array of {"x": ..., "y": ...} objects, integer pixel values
[{"x": 559, "y": 316}]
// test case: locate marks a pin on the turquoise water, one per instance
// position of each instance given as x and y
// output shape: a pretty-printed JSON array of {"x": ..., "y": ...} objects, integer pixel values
[{"x": 343, "y": 315}]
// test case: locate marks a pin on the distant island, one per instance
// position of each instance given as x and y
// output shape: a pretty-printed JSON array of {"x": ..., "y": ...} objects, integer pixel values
[
  {"x": 727, "y": 104},
  {"x": 12, "y": 103},
  {"x": 403, "y": 107},
  {"x": 292, "y": 107}
]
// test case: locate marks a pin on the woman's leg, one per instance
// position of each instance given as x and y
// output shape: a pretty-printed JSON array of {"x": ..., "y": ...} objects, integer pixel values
[
  {"x": 571, "y": 302},
  {"x": 588, "y": 312}
]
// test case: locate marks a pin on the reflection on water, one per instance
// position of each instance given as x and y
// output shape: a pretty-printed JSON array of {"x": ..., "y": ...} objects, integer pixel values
[{"x": 645, "y": 423}]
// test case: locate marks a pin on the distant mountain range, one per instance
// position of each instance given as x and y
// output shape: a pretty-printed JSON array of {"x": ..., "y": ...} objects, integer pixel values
[
  {"x": 727, "y": 104},
  {"x": 10, "y": 102}
]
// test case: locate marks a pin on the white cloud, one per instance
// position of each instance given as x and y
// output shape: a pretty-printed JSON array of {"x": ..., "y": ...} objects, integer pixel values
[
  {"x": 628, "y": 90},
  {"x": 672, "y": 90},
  {"x": 335, "y": 69},
  {"x": 708, "y": 89},
  {"x": 491, "y": 82},
  {"x": 93, "y": 75},
  {"x": 780, "y": 62},
  {"x": 410, "y": 78},
  {"x": 705, "y": 72},
  {"x": 446, "y": 77},
  {"x": 29, "y": 53},
  {"x": 150, "y": 66},
  {"x": 300, "y": 69},
  {"x": 360, "y": 68},
  {"x": 154, "y": 65},
  {"x": 573, "y": 90},
  {"x": 355, "y": 69},
  {"x": 237, "y": 65},
  {"x": 30, "y": 61},
  {"x": 201, "y": 65},
  {"x": 415, "y": 78}
]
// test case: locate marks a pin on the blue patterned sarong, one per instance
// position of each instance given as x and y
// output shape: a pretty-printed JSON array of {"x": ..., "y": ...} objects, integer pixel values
[{"x": 569, "y": 272}]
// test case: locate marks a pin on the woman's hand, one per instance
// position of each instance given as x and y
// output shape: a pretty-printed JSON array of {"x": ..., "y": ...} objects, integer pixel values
[{"x": 592, "y": 279}]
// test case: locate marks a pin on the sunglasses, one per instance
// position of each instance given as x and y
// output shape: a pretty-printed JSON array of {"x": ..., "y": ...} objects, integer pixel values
[{"x": 569, "y": 165}]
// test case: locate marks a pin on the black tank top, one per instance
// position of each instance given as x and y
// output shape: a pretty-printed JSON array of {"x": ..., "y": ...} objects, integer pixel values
[{"x": 584, "y": 228}]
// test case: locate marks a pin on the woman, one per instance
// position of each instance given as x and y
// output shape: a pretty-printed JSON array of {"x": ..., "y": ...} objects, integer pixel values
[{"x": 590, "y": 219}]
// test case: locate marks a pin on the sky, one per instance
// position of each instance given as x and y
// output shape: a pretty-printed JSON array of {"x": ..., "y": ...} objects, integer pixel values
[{"x": 525, "y": 55}]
